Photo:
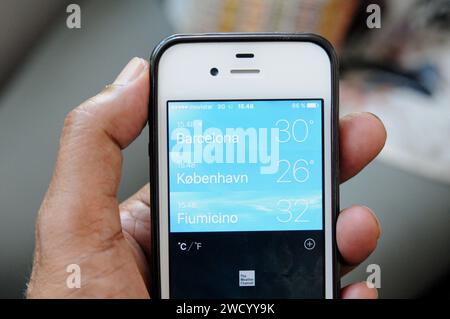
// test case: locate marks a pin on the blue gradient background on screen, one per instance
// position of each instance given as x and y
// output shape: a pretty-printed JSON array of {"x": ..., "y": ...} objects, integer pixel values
[{"x": 259, "y": 203}]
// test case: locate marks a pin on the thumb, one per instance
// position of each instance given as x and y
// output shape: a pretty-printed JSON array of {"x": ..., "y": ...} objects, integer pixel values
[{"x": 81, "y": 199}]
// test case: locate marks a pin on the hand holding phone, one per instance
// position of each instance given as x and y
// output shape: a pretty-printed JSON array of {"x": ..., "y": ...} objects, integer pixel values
[{"x": 78, "y": 222}]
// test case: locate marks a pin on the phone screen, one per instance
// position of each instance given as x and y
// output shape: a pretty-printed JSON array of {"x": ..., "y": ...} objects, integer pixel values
[{"x": 246, "y": 193}]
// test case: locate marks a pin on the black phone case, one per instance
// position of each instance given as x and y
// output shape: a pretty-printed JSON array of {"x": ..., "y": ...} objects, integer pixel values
[{"x": 153, "y": 131}]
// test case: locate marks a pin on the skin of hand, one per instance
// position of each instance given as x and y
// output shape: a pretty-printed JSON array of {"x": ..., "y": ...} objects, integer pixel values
[{"x": 81, "y": 221}]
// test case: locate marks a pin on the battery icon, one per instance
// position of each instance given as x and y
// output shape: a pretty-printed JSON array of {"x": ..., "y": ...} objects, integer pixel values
[{"x": 311, "y": 105}]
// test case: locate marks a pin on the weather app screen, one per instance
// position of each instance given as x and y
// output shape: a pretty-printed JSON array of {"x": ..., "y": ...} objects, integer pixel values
[{"x": 246, "y": 199}]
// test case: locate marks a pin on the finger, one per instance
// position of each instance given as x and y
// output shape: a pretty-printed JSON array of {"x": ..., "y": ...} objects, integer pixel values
[
  {"x": 135, "y": 218},
  {"x": 362, "y": 137},
  {"x": 140, "y": 258},
  {"x": 359, "y": 290},
  {"x": 357, "y": 233},
  {"x": 82, "y": 193}
]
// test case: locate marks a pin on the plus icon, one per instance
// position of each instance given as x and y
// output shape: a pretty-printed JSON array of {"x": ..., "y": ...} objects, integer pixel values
[{"x": 309, "y": 244}]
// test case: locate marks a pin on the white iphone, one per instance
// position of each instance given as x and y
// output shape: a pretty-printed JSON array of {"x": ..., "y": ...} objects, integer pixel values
[{"x": 244, "y": 166}]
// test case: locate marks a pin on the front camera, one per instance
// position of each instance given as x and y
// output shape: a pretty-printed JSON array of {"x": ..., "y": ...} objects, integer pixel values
[{"x": 214, "y": 71}]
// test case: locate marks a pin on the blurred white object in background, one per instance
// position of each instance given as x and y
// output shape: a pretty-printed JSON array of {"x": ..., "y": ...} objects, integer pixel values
[
  {"x": 329, "y": 18},
  {"x": 418, "y": 125},
  {"x": 416, "y": 38}
]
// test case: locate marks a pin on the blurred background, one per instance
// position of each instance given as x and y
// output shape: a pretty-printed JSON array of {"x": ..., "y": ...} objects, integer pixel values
[{"x": 400, "y": 72}]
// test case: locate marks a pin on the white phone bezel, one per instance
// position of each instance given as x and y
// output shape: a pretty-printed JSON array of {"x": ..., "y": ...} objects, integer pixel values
[{"x": 288, "y": 70}]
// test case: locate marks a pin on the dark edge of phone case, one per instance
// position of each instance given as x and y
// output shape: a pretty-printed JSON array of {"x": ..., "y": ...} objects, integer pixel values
[{"x": 153, "y": 131}]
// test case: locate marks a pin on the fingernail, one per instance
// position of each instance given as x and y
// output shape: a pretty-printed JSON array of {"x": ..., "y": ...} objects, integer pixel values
[
  {"x": 132, "y": 70},
  {"x": 376, "y": 220},
  {"x": 352, "y": 115},
  {"x": 375, "y": 116}
]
